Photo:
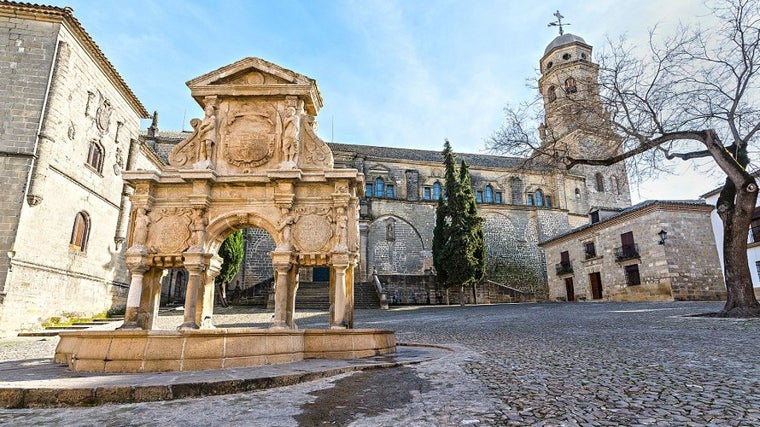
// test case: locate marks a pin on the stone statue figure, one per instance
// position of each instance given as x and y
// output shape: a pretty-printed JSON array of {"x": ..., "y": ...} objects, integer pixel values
[
  {"x": 341, "y": 221},
  {"x": 291, "y": 129},
  {"x": 206, "y": 137},
  {"x": 142, "y": 223},
  {"x": 285, "y": 226},
  {"x": 198, "y": 226}
]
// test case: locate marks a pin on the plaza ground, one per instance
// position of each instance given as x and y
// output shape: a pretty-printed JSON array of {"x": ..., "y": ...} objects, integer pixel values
[{"x": 516, "y": 364}]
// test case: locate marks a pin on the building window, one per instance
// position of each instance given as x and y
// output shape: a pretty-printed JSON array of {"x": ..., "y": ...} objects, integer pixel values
[
  {"x": 594, "y": 217},
  {"x": 436, "y": 190},
  {"x": 379, "y": 187},
  {"x": 614, "y": 185},
  {"x": 81, "y": 232},
  {"x": 754, "y": 227},
  {"x": 529, "y": 199},
  {"x": 368, "y": 190},
  {"x": 95, "y": 156},
  {"x": 548, "y": 201},
  {"x": 590, "y": 249},
  {"x": 632, "y": 275},
  {"x": 599, "y": 182},
  {"x": 628, "y": 248},
  {"x": 426, "y": 191},
  {"x": 479, "y": 196},
  {"x": 539, "y": 198},
  {"x": 564, "y": 266},
  {"x": 489, "y": 194},
  {"x": 516, "y": 186},
  {"x": 570, "y": 86},
  {"x": 497, "y": 198},
  {"x": 389, "y": 193},
  {"x": 578, "y": 193},
  {"x": 552, "y": 94}
]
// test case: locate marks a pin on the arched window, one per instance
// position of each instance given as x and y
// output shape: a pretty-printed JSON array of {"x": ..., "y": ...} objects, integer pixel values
[
  {"x": 599, "y": 182},
  {"x": 436, "y": 190},
  {"x": 389, "y": 193},
  {"x": 81, "y": 232},
  {"x": 548, "y": 201},
  {"x": 539, "y": 198},
  {"x": 489, "y": 194},
  {"x": 552, "y": 94},
  {"x": 615, "y": 186},
  {"x": 529, "y": 199},
  {"x": 95, "y": 156},
  {"x": 570, "y": 86},
  {"x": 516, "y": 188},
  {"x": 379, "y": 187}
]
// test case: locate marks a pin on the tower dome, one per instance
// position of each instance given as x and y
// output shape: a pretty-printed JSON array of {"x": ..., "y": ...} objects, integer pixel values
[{"x": 563, "y": 40}]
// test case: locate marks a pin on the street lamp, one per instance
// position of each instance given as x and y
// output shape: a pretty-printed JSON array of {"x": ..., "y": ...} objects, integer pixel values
[
  {"x": 11, "y": 253},
  {"x": 663, "y": 235}
]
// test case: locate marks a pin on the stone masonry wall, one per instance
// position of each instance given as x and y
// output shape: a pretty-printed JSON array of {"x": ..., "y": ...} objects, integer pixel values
[
  {"x": 685, "y": 268},
  {"x": 26, "y": 54},
  {"x": 49, "y": 276}
]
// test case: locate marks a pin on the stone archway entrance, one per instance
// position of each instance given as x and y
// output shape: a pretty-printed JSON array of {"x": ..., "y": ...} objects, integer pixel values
[{"x": 254, "y": 160}]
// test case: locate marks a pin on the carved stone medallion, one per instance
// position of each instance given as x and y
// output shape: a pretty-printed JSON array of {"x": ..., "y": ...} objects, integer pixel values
[
  {"x": 170, "y": 232},
  {"x": 312, "y": 232},
  {"x": 250, "y": 135}
]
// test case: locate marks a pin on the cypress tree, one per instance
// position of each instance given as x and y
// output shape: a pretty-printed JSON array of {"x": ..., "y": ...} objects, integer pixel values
[
  {"x": 458, "y": 241},
  {"x": 231, "y": 252}
]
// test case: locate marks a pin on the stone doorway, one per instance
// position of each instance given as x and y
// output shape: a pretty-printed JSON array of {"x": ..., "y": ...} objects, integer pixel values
[
  {"x": 570, "y": 289},
  {"x": 595, "y": 279}
]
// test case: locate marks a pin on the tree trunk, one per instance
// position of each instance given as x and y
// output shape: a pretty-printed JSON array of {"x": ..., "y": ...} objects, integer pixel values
[
  {"x": 740, "y": 298},
  {"x": 474, "y": 294},
  {"x": 223, "y": 294},
  {"x": 461, "y": 295},
  {"x": 447, "y": 297}
]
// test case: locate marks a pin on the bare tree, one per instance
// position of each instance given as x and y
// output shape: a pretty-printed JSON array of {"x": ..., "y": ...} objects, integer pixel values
[{"x": 695, "y": 95}]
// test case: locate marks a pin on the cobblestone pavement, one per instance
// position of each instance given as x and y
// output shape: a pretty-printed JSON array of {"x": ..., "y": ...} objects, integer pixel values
[{"x": 589, "y": 364}]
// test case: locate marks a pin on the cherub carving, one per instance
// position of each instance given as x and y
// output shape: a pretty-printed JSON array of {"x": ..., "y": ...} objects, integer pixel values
[
  {"x": 206, "y": 136},
  {"x": 285, "y": 226},
  {"x": 142, "y": 223},
  {"x": 291, "y": 136}
]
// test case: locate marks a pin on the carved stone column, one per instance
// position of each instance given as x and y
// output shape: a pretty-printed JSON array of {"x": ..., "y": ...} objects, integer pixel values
[
  {"x": 134, "y": 296},
  {"x": 150, "y": 299},
  {"x": 292, "y": 289},
  {"x": 197, "y": 264},
  {"x": 205, "y": 310},
  {"x": 281, "y": 288},
  {"x": 339, "y": 318}
]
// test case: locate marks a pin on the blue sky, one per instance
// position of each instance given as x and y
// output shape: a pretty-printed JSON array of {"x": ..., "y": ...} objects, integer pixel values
[{"x": 405, "y": 73}]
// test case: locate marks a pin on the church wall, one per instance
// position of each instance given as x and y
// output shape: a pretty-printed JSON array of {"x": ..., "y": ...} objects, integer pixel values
[{"x": 66, "y": 279}]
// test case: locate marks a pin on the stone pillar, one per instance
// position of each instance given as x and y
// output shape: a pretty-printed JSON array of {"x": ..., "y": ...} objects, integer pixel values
[
  {"x": 134, "y": 296},
  {"x": 350, "y": 294},
  {"x": 281, "y": 291},
  {"x": 197, "y": 264},
  {"x": 292, "y": 289},
  {"x": 364, "y": 268},
  {"x": 150, "y": 299},
  {"x": 205, "y": 310},
  {"x": 338, "y": 306}
]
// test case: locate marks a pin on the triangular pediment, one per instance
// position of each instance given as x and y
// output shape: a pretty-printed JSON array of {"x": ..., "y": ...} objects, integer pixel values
[{"x": 256, "y": 77}]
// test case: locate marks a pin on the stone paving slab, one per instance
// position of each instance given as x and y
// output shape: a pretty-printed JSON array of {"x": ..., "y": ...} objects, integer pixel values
[{"x": 43, "y": 383}]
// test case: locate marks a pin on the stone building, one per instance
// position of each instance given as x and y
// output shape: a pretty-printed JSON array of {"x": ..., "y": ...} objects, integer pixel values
[
  {"x": 521, "y": 206},
  {"x": 69, "y": 127},
  {"x": 653, "y": 251}
]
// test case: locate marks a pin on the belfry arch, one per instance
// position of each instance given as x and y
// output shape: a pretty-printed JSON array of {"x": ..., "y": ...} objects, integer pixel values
[{"x": 254, "y": 160}]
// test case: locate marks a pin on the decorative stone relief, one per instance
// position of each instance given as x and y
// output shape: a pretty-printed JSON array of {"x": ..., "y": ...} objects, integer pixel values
[
  {"x": 313, "y": 230},
  {"x": 119, "y": 163},
  {"x": 72, "y": 132},
  {"x": 103, "y": 115},
  {"x": 90, "y": 104},
  {"x": 285, "y": 228},
  {"x": 341, "y": 222},
  {"x": 250, "y": 134},
  {"x": 142, "y": 223},
  {"x": 198, "y": 149},
  {"x": 170, "y": 230},
  {"x": 291, "y": 135}
]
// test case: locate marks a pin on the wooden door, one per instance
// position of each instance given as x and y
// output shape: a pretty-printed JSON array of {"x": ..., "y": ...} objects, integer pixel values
[
  {"x": 596, "y": 285},
  {"x": 570, "y": 289}
]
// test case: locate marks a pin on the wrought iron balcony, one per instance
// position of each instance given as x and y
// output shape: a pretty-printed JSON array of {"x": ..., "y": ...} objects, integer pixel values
[
  {"x": 564, "y": 268},
  {"x": 627, "y": 252}
]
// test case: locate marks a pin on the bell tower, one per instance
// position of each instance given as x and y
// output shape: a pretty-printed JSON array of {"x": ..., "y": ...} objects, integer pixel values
[{"x": 575, "y": 121}]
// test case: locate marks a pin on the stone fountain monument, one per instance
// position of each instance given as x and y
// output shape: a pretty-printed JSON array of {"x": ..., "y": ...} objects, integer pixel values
[{"x": 254, "y": 160}]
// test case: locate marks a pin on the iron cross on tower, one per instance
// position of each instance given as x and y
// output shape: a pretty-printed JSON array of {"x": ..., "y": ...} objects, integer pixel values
[{"x": 558, "y": 22}]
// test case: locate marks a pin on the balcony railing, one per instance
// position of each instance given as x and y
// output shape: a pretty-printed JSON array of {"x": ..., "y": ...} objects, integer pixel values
[
  {"x": 627, "y": 252},
  {"x": 564, "y": 268}
]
